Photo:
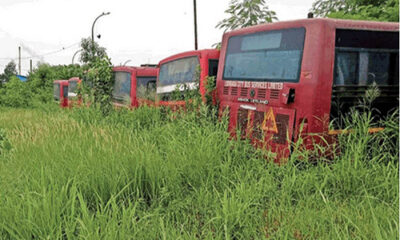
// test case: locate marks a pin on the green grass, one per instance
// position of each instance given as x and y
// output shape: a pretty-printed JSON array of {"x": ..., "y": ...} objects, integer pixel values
[{"x": 146, "y": 175}]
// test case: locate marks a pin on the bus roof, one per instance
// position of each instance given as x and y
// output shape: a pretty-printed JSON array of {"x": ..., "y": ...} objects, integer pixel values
[
  {"x": 140, "y": 71},
  {"x": 74, "y": 79},
  {"x": 212, "y": 53},
  {"x": 335, "y": 23},
  {"x": 60, "y": 81}
]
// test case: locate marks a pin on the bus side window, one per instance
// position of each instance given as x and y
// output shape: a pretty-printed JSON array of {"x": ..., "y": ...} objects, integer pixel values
[
  {"x": 212, "y": 67},
  {"x": 365, "y": 57},
  {"x": 346, "y": 68},
  {"x": 378, "y": 68}
]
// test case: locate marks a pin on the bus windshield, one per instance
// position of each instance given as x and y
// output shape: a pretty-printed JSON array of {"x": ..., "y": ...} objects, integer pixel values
[
  {"x": 56, "y": 91},
  {"x": 178, "y": 71},
  {"x": 72, "y": 87},
  {"x": 122, "y": 85},
  {"x": 265, "y": 56}
]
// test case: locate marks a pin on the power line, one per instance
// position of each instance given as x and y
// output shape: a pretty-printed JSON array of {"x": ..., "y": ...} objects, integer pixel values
[{"x": 45, "y": 54}]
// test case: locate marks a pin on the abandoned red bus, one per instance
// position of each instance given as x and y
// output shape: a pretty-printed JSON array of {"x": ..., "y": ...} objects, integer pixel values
[
  {"x": 60, "y": 92},
  {"x": 73, "y": 98},
  {"x": 134, "y": 86},
  {"x": 276, "y": 77},
  {"x": 181, "y": 69}
]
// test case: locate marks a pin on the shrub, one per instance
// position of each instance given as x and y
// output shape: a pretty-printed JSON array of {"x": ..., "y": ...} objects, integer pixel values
[{"x": 16, "y": 94}]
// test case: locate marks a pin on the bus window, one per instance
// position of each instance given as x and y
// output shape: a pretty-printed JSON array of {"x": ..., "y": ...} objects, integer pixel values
[
  {"x": 72, "y": 88},
  {"x": 144, "y": 87},
  {"x": 122, "y": 86},
  {"x": 346, "y": 68},
  {"x": 56, "y": 91},
  {"x": 364, "y": 57},
  {"x": 178, "y": 71},
  {"x": 265, "y": 56}
]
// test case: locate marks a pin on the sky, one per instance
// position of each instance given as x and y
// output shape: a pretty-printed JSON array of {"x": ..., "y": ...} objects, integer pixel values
[{"x": 135, "y": 32}]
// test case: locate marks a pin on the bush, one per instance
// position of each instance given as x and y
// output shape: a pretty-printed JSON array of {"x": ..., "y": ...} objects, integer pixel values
[{"x": 16, "y": 94}]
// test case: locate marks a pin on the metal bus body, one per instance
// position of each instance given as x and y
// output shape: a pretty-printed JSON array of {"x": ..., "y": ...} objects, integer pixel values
[
  {"x": 134, "y": 86},
  {"x": 182, "y": 69},
  {"x": 275, "y": 79},
  {"x": 60, "y": 92}
]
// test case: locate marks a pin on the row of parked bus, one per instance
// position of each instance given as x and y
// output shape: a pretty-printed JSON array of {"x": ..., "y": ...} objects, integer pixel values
[{"x": 278, "y": 81}]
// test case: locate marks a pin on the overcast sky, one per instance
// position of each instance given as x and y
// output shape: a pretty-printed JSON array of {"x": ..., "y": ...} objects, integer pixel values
[{"x": 142, "y": 31}]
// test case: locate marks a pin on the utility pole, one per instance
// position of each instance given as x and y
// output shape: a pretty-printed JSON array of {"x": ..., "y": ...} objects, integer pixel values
[
  {"x": 30, "y": 64},
  {"x": 195, "y": 24},
  {"x": 19, "y": 60}
]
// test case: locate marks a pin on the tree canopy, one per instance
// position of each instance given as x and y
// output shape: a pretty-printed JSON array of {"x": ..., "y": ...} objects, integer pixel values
[
  {"x": 9, "y": 71},
  {"x": 91, "y": 51},
  {"x": 376, "y": 10},
  {"x": 245, "y": 13}
]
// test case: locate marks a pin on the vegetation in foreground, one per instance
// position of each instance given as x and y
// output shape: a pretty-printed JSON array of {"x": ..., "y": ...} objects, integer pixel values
[{"x": 145, "y": 174}]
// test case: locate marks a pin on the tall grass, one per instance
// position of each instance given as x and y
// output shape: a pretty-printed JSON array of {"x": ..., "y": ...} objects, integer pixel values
[{"x": 142, "y": 174}]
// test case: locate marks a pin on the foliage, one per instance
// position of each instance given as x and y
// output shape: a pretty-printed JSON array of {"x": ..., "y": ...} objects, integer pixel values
[
  {"x": 137, "y": 175},
  {"x": 91, "y": 51},
  {"x": 322, "y": 8},
  {"x": 41, "y": 79},
  {"x": 211, "y": 90},
  {"x": 99, "y": 75},
  {"x": 377, "y": 10},
  {"x": 245, "y": 13},
  {"x": 4, "y": 142},
  {"x": 39, "y": 87},
  {"x": 9, "y": 71},
  {"x": 15, "y": 93}
]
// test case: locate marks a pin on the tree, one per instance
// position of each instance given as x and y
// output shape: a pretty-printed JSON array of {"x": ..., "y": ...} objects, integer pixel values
[
  {"x": 245, "y": 13},
  {"x": 90, "y": 51},
  {"x": 376, "y": 10},
  {"x": 9, "y": 71},
  {"x": 322, "y": 8}
]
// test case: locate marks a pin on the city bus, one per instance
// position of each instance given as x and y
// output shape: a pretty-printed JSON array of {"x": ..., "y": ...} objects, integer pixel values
[
  {"x": 60, "y": 92},
  {"x": 134, "y": 86},
  {"x": 275, "y": 79},
  {"x": 181, "y": 70}
]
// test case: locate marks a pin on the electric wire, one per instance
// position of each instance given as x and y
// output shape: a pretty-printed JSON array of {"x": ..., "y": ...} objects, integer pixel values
[{"x": 45, "y": 54}]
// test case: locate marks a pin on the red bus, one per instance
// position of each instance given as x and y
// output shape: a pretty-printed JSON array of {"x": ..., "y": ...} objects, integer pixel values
[
  {"x": 275, "y": 77},
  {"x": 134, "y": 86},
  {"x": 60, "y": 92},
  {"x": 181, "y": 69}
]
